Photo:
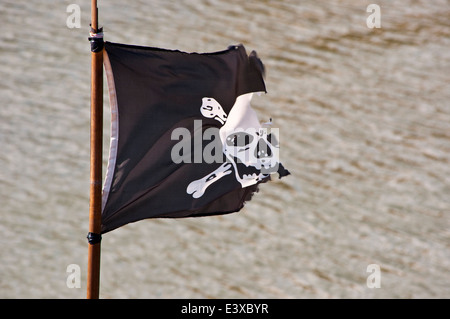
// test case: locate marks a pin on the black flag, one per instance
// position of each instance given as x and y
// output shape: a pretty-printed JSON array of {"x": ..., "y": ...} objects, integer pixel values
[{"x": 184, "y": 139}]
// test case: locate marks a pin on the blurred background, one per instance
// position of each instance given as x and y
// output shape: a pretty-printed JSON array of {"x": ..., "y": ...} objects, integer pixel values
[{"x": 364, "y": 119}]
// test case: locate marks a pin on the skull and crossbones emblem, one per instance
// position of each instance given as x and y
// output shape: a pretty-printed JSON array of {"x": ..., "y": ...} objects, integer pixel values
[{"x": 251, "y": 151}]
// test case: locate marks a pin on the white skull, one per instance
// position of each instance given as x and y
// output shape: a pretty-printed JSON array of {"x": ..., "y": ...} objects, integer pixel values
[
  {"x": 257, "y": 149},
  {"x": 245, "y": 141}
]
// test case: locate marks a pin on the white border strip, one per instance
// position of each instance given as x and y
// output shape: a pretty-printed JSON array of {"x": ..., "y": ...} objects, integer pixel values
[{"x": 114, "y": 130}]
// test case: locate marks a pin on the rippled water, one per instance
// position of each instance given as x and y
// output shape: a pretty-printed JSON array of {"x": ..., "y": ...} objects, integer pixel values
[{"x": 364, "y": 118}]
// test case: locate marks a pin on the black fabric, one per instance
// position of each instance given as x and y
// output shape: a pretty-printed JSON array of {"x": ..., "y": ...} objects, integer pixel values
[{"x": 158, "y": 91}]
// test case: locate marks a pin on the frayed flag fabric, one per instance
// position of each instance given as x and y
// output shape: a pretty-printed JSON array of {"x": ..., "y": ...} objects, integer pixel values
[{"x": 185, "y": 141}]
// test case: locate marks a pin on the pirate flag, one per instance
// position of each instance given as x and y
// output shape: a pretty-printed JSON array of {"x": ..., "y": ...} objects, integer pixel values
[{"x": 185, "y": 141}]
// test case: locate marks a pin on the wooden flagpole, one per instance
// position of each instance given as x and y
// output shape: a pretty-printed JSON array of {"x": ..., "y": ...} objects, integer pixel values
[{"x": 95, "y": 200}]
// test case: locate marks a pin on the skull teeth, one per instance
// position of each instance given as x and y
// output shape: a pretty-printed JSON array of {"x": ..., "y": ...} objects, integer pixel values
[{"x": 251, "y": 176}]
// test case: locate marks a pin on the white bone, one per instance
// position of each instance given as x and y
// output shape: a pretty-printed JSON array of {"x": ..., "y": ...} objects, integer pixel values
[
  {"x": 212, "y": 109},
  {"x": 198, "y": 187}
]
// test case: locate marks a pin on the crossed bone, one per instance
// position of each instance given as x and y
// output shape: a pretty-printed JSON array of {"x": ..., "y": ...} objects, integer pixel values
[{"x": 197, "y": 188}]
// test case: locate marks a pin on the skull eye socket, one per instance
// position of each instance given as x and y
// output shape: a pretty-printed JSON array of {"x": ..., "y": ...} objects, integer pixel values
[
  {"x": 239, "y": 139},
  {"x": 272, "y": 139}
]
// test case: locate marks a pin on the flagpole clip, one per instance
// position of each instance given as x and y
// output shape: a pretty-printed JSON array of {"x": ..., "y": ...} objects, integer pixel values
[
  {"x": 94, "y": 238},
  {"x": 96, "y": 40}
]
